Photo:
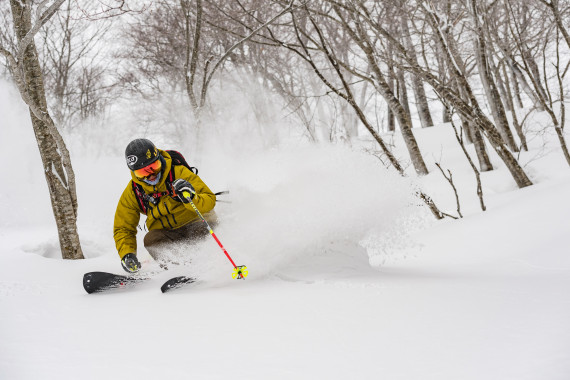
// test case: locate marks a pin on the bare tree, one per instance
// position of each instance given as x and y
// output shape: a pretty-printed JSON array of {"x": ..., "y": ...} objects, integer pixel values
[
  {"x": 417, "y": 83},
  {"x": 26, "y": 71},
  {"x": 194, "y": 54},
  {"x": 547, "y": 95},
  {"x": 559, "y": 15},
  {"x": 484, "y": 62},
  {"x": 470, "y": 108},
  {"x": 376, "y": 77},
  {"x": 185, "y": 45},
  {"x": 77, "y": 84}
]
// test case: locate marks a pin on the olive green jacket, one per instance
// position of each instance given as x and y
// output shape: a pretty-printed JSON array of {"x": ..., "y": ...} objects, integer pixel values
[{"x": 167, "y": 214}]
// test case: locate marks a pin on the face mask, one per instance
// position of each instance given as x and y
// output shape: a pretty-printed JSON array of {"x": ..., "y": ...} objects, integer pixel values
[{"x": 157, "y": 180}]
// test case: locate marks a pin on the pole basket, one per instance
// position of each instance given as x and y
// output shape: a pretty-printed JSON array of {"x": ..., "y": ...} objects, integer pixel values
[{"x": 240, "y": 272}]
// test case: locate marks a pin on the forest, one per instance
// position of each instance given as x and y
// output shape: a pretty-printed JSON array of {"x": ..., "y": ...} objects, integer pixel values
[
  {"x": 339, "y": 70},
  {"x": 331, "y": 71}
]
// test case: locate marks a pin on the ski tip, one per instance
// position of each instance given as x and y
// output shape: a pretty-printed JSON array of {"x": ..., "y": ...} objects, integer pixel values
[
  {"x": 95, "y": 282},
  {"x": 175, "y": 283},
  {"x": 92, "y": 281},
  {"x": 87, "y": 282}
]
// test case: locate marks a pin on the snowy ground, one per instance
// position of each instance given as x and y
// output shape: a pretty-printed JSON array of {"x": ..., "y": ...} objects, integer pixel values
[{"x": 485, "y": 297}]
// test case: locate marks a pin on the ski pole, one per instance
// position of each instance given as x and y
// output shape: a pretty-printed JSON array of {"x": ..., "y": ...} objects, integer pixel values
[{"x": 240, "y": 272}]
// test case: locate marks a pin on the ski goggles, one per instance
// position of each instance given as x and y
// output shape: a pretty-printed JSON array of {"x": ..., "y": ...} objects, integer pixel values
[{"x": 149, "y": 170}]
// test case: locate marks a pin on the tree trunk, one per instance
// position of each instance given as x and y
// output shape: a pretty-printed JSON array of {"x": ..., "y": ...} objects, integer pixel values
[
  {"x": 515, "y": 87},
  {"x": 402, "y": 117},
  {"x": 421, "y": 102},
  {"x": 417, "y": 84},
  {"x": 489, "y": 85},
  {"x": 482, "y": 155},
  {"x": 446, "y": 114},
  {"x": 442, "y": 74},
  {"x": 500, "y": 82},
  {"x": 495, "y": 103},
  {"x": 535, "y": 72},
  {"x": 562, "y": 139},
  {"x": 526, "y": 87},
  {"x": 395, "y": 105},
  {"x": 55, "y": 158},
  {"x": 473, "y": 135},
  {"x": 511, "y": 103},
  {"x": 402, "y": 94},
  {"x": 391, "y": 121},
  {"x": 467, "y": 130},
  {"x": 553, "y": 5},
  {"x": 363, "y": 41},
  {"x": 476, "y": 137}
]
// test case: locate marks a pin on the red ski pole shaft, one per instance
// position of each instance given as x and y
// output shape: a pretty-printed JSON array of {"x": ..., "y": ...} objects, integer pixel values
[{"x": 187, "y": 195}]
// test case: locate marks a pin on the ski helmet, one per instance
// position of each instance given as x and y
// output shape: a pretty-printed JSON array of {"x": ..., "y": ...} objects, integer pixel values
[{"x": 141, "y": 153}]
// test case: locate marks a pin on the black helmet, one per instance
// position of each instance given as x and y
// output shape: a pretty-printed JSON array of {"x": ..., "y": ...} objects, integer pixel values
[{"x": 140, "y": 153}]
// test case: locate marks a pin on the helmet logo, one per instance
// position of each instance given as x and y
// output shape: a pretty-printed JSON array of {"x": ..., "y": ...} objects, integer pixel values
[
  {"x": 148, "y": 154},
  {"x": 131, "y": 160}
]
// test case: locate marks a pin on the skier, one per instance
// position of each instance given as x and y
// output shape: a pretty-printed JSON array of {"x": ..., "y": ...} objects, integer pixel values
[{"x": 159, "y": 178}]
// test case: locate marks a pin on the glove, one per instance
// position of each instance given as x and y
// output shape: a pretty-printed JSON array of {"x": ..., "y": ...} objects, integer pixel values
[
  {"x": 182, "y": 188},
  {"x": 130, "y": 263}
]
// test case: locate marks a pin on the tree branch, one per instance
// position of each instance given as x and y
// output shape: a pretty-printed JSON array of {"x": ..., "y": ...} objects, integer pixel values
[
  {"x": 245, "y": 39},
  {"x": 45, "y": 16}
]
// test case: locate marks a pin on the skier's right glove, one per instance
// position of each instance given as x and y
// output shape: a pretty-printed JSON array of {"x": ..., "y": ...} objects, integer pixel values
[
  {"x": 130, "y": 263},
  {"x": 184, "y": 190}
]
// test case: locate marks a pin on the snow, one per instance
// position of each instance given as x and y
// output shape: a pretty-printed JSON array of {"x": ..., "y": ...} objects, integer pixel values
[{"x": 483, "y": 297}]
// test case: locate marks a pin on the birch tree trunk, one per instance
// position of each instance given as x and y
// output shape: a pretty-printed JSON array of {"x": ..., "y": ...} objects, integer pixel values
[
  {"x": 489, "y": 85},
  {"x": 494, "y": 100},
  {"x": 445, "y": 114},
  {"x": 520, "y": 79},
  {"x": 421, "y": 102},
  {"x": 516, "y": 88},
  {"x": 402, "y": 93},
  {"x": 417, "y": 84},
  {"x": 511, "y": 104},
  {"x": 402, "y": 117},
  {"x": 391, "y": 122},
  {"x": 382, "y": 86},
  {"x": 476, "y": 137},
  {"x": 25, "y": 68},
  {"x": 482, "y": 155}
]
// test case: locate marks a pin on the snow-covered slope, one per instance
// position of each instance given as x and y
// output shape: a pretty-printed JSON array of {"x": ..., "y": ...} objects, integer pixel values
[{"x": 484, "y": 297}]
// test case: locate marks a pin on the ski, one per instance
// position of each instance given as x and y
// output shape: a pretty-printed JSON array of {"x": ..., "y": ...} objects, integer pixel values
[
  {"x": 94, "y": 282},
  {"x": 176, "y": 282}
]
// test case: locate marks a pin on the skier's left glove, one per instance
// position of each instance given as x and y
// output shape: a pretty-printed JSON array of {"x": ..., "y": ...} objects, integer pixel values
[
  {"x": 130, "y": 263},
  {"x": 184, "y": 190}
]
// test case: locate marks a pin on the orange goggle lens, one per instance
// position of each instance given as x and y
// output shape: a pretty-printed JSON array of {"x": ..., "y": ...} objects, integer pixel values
[{"x": 151, "y": 169}]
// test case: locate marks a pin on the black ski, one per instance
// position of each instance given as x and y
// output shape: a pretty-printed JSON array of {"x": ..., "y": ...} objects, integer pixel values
[
  {"x": 95, "y": 282},
  {"x": 176, "y": 282}
]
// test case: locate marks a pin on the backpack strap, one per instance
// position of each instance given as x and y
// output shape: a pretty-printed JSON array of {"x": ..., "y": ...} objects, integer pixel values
[
  {"x": 170, "y": 180},
  {"x": 142, "y": 197}
]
